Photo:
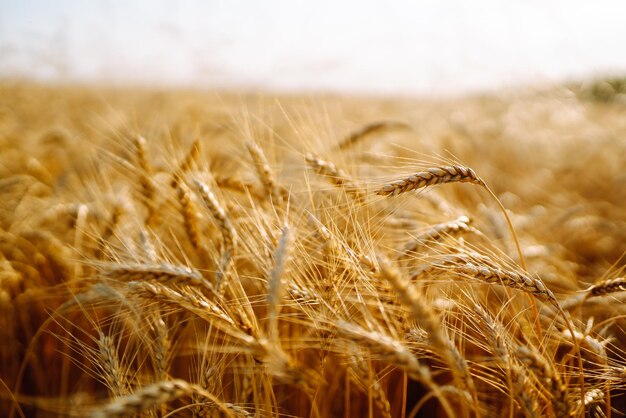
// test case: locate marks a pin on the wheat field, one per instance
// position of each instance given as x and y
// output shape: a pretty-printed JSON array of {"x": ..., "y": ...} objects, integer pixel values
[{"x": 179, "y": 253}]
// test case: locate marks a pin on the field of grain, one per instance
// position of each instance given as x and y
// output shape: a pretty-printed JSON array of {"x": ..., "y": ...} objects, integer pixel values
[{"x": 178, "y": 253}]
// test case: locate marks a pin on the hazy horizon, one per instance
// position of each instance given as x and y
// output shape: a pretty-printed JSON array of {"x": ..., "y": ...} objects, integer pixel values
[{"x": 439, "y": 48}]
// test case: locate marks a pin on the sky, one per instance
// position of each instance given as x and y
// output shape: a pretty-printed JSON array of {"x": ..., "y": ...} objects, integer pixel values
[{"x": 351, "y": 46}]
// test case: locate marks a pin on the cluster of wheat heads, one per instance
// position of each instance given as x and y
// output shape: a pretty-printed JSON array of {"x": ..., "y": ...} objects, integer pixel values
[{"x": 177, "y": 254}]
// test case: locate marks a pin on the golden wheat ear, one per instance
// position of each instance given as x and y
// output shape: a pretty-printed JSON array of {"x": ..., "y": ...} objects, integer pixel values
[
  {"x": 424, "y": 314},
  {"x": 370, "y": 129},
  {"x": 335, "y": 175},
  {"x": 146, "y": 184},
  {"x": 264, "y": 172},
  {"x": 187, "y": 163},
  {"x": 431, "y": 177},
  {"x": 156, "y": 394},
  {"x": 394, "y": 352},
  {"x": 607, "y": 287},
  {"x": 508, "y": 278},
  {"x": 436, "y": 233},
  {"x": 226, "y": 226},
  {"x": 544, "y": 371}
]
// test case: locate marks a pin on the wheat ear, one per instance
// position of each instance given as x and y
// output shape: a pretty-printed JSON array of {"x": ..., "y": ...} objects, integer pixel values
[
  {"x": 229, "y": 234},
  {"x": 145, "y": 181},
  {"x": 360, "y": 375},
  {"x": 498, "y": 338},
  {"x": 224, "y": 223},
  {"x": 592, "y": 396},
  {"x": 189, "y": 301},
  {"x": 110, "y": 363},
  {"x": 369, "y": 129},
  {"x": 436, "y": 232},
  {"x": 386, "y": 348},
  {"x": 395, "y": 353},
  {"x": 163, "y": 272},
  {"x": 607, "y": 287},
  {"x": 190, "y": 220},
  {"x": 187, "y": 163},
  {"x": 508, "y": 278},
  {"x": 154, "y": 395},
  {"x": 238, "y": 185},
  {"x": 264, "y": 172},
  {"x": 280, "y": 365},
  {"x": 550, "y": 378},
  {"x": 109, "y": 229},
  {"x": 430, "y": 177},
  {"x": 275, "y": 285},
  {"x": 335, "y": 175},
  {"x": 162, "y": 348},
  {"x": 208, "y": 409},
  {"x": 427, "y": 318},
  {"x": 519, "y": 381}
]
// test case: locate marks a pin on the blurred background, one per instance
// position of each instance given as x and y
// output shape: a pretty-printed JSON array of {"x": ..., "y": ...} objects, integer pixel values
[{"x": 427, "y": 48}]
